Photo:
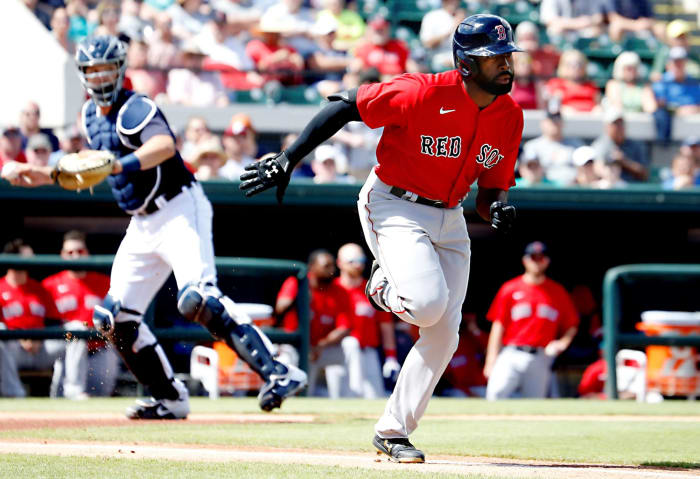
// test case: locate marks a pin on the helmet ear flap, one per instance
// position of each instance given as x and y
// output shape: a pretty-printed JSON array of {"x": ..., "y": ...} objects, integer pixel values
[{"x": 466, "y": 65}]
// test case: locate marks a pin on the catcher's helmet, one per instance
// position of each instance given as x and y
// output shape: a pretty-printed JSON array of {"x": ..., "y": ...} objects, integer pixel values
[
  {"x": 481, "y": 36},
  {"x": 101, "y": 50}
]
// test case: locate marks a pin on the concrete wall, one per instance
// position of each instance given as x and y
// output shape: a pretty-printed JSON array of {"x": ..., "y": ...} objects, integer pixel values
[{"x": 35, "y": 68}]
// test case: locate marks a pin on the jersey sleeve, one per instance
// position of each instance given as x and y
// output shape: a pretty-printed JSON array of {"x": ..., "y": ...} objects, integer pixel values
[
  {"x": 388, "y": 103},
  {"x": 499, "y": 307},
  {"x": 502, "y": 175},
  {"x": 569, "y": 317},
  {"x": 289, "y": 289}
]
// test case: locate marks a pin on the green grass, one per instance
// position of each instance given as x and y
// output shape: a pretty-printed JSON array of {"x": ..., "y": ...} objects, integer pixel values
[
  {"x": 347, "y": 425},
  {"x": 37, "y": 467}
]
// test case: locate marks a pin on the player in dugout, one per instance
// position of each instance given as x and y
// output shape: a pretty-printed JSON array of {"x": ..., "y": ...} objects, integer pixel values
[{"x": 441, "y": 133}]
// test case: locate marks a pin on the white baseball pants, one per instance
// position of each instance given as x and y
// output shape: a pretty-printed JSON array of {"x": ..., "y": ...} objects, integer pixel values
[
  {"x": 425, "y": 253},
  {"x": 519, "y": 371}
]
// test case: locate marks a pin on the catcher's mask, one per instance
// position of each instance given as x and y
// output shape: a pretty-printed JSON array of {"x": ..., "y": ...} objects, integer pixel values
[
  {"x": 102, "y": 86},
  {"x": 480, "y": 36}
]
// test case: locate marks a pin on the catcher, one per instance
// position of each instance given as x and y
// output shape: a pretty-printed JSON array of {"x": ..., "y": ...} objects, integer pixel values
[{"x": 170, "y": 231}]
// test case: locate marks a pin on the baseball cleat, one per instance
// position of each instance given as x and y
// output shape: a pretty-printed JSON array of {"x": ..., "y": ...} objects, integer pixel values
[
  {"x": 280, "y": 387},
  {"x": 374, "y": 294},
  {"x": 398, "y": 450},
  {"x": 153, "y": 408}
]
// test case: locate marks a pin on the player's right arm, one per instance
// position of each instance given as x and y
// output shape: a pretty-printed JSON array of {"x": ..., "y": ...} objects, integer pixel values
[{"x": 276, "y": 169}]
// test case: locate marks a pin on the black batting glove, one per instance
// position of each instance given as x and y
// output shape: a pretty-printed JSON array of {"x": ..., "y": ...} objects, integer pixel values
[
  {"x": 502, "y": 216},
  {"x": 268, "y": 172}
]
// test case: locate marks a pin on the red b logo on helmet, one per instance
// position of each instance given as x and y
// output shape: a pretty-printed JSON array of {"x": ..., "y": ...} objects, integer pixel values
[{"x": 500, "y": 29}]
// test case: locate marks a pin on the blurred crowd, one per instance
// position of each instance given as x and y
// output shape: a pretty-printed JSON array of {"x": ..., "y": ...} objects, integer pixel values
[{"x": 610, "y": 57}]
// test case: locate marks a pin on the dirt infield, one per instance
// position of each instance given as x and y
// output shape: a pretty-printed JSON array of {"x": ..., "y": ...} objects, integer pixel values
[{"x": 435, "y": 465}]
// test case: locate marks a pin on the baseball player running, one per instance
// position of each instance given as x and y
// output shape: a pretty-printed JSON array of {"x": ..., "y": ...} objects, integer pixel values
[
  {"x": 170, "y": 230},
  {"x": 441, "y": 133}
]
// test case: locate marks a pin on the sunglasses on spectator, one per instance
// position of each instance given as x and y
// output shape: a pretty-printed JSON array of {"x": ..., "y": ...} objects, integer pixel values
[
  {"x": 356, "y": 260},
  {"x": 31, "y": 112},
  {"x": 538, "y": 257},
  {"x": 41, "y": 150},
  {"x": 78, "y": 251}
]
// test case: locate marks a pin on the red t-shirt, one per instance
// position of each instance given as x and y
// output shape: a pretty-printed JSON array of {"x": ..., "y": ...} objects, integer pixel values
[
  {"x": 436, "y": 141},
  {"x": 282, "y": 70},
  {"x": 365, "y": 319},
  {"x": 593, "y": 380},
  {"x": 25, "y": 306},
  {"x": 466, "y": 368},
  {"x": 389, "y": 59},
  {"x": 330, "y": 309},
  {"x": 533, "y": 314},
  {"x": 579, "y": 96},
  {"x": 75, "y": 298}
]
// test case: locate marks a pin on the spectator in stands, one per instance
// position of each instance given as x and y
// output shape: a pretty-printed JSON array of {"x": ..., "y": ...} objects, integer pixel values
[
  {"x": 162, "y": 44},
  {"x": 358, "y": 141},
  {"x": 329, "y": 62},
  {"x": 38, "y": 150},
  {"x": 630, "y": 16},
  {"x": 370, "y": 329},
  {"x": 242, "y": 14},
  {"x": 24, "y": 304},
  {"x": 11, "y": 146},
  {"x": 70, "y": 141},
  {"x": 676, "y": 93},
  {"x": 130, "y": 22},
  {"x": 108, "y": 16},
  {"x": 38, "y": 12},
  {"x": 584, "y": 159},
  {"x": 189, "y": 17},
  {"x": 208, "y": 160},
  {"x": 330, "y": 322},
  {"x": 553, "y": 151},
  {"x": 609, "y": 172},
  {"x": 436, "y": 30},
  {"x": 526, "y": 89},
  {"x": 196, "y": 131},
  {"x": 531, "y": 171},
  {"x": 274, "y": 58},
  {"x": 296, "y": 21},
  {"x": 89, "y": 367},
  {"x": 576, "y": 92},
  {"x": 570, "y": 19},
  {"x": 29, "y": 125},
  {"x": 614, "y": 146},
  {"x": 388, "y": 55},
  {"x": 226, "y": 53},
  {"x": 191, "y": 86},
  {"x": 691, "y": 148},
  {"x": 77, "y": 11},
  {"x": 60, "y": 24},
  {"x": 684, "y": 174},
  {"x": 143, "y": 79},
  {"x": 240, "y": 145},
  {"x": 677, "y": 32},
  {"x": 351, "y": 26},
  {"x": 534, "y": 320},
  {"x": 465, "y": 372},
  {"x": 545, "y": 58},
  {"x": 626, "y": 90},
  {"x": 329, "y": 164}
]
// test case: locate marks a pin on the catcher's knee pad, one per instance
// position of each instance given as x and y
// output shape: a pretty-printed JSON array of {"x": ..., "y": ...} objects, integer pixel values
[
  {"x": 198, "y": 305},
  {"x": 106, "y": 315}
]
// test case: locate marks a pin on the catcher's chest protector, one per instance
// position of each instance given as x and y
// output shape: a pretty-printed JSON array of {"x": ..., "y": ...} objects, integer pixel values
[{"x": 132, "y": 190}]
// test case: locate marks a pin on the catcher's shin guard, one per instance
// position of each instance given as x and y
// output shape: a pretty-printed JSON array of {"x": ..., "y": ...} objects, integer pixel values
[
  {"x": 138, "y": 348},
  {"x": 196, "y": 305}
]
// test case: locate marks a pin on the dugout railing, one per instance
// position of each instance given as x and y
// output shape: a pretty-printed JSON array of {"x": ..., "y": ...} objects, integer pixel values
[
  {"x": 615, "y": 340},
  {"x": 226, "y": 266}
]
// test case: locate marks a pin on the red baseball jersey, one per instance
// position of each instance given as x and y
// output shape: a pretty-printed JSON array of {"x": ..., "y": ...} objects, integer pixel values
[
  {"x": 75, "y": 298},
  {"x": 436, "y": 140},
  {"x": 25, "y": 306},
  {"x": 465, "y": 369},
  {"x": 365, "y": 319},
  {"x": 533, "y": 314},
  {"x": 389, "y": 59},
  {"x": 330, "y": 309}
]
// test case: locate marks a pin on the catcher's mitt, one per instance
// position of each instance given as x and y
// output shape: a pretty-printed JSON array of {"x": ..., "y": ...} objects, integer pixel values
[{"x": 78, "y": 171}]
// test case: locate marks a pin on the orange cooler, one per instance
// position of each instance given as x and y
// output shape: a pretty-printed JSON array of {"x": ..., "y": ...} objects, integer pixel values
[{"x": 672, "y": 370}]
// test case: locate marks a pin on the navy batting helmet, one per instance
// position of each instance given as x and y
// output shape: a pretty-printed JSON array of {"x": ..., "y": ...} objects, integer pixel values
[
  {"x": 481, "y": 36},
  {"x": 102, "y": 86}
]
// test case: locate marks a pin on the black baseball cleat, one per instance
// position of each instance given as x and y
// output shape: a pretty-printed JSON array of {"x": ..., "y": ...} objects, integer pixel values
[
  {"x": 398, "y": 450},
  {"x": 371, "y": 292},
  {"x": 280, "y": 387},
  {"x": 159, "y": 409}
]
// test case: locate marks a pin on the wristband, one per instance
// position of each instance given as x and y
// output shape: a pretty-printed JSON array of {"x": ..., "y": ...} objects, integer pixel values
[
  {"x": 390, "y": 353},
  {"x": 130, "y": 163}
]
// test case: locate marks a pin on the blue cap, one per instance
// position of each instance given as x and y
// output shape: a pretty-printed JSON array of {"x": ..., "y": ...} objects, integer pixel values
[
  {"x": 536, "y": 247},
  {"x": 692, "y": 141}
]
